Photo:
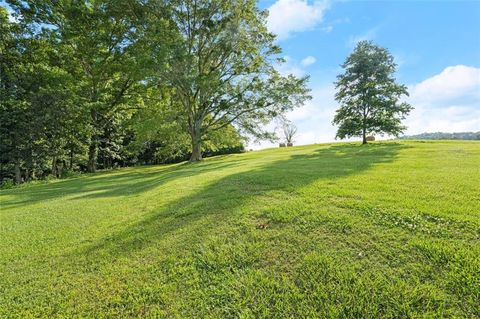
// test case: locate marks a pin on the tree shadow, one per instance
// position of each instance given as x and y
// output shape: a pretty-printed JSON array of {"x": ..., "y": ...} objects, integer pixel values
[
  {"x": 189, "y": 219},
  {"x": 116, "y": 183}
]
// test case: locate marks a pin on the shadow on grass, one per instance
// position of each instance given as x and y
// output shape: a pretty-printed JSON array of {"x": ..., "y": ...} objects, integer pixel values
[
  {"x": 112, "y": 183},
  {"x": 193, "y": 217}
]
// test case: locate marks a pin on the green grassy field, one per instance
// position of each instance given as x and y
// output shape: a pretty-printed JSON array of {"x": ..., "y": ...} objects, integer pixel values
[{"x": 331, "y": 231}]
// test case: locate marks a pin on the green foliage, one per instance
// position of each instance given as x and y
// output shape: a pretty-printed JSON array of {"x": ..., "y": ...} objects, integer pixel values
[
  {"x": 319, "y": 231},
  {"x": 7, "y": 183},
  {"x": 37, "y": 108},
  {"x": 74, "y": 75},
  {"x": 160, "y": 137},
  {"x": 221, "y": 69},
  {"x": 368, "y": 95}
]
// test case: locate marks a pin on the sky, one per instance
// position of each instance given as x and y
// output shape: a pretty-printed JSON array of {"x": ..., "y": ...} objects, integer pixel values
[{"x": 436, "y": 45}]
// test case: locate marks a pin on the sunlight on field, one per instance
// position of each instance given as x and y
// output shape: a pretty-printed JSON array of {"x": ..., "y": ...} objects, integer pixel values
[{"x": 383, "y": 230}]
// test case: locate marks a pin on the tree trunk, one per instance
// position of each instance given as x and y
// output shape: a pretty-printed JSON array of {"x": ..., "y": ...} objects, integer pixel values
[
  {"x": 364, "y": 135},
  {"x": 364, "y": 126},
  {"x": 71, "y": 159},
  {"x": 54, "y": 166},
  {"x": 29, "y": 167},
  {"x": 92, "y": 155},
  {"x": 196, "y": 144},
  {"x": 60, "y": 168},
  {"x": 196, "y": 149},
  {"x": 18, "y": 174},
  {"x": 92, "y": 148},
  {"x": 33, "y": 167}
]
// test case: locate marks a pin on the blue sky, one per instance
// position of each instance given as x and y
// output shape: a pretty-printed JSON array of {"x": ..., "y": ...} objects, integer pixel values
[{"x": 436, "y": 45}]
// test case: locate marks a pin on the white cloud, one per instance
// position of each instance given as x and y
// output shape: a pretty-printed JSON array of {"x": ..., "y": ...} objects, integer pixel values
[
  {"x": 314, "y": 119},
  {"x": 453, "y": 82},
  {"x": 321, "y": 107},
  {"x": 341, "y": 20},
  {"x": 309, "y": 60},
  {"x": 290, "y": 66},
  {"x": 289, "y": 16},
  {"x": 447, "y": 102},
  {"x": 293, "y": 66},
  {"x": 327, "y": 29},
  {"x": 367, "y": 36}
]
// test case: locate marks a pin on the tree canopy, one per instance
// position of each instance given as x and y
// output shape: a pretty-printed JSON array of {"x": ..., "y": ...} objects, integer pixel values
[
  {"x": 221, "y": 71},
  {"x": 369, "y": 97},
  {"x": 103, "y": 83}
]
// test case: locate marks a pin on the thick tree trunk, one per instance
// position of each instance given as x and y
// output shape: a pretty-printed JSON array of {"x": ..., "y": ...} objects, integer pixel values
[
  {"x": 92, "y": 155},
  {"x": 196, "y": 143},
  {"x": 196, "y": 134},
  {"x": 196, "y": 149},
  {"x": 18, "y": 173}
]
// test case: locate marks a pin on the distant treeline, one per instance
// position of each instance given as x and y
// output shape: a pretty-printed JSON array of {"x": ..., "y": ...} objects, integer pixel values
[{"x": 443, "y": 136}]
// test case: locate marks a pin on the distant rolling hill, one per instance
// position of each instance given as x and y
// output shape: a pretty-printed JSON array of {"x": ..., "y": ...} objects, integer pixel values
[{"x": 443, "y": 136}]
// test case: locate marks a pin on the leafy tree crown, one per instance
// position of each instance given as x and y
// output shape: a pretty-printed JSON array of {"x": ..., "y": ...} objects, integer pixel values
[{"x": 369, "y": 97}]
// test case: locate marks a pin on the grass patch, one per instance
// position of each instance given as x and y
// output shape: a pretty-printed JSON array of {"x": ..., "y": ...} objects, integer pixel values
[{"x": 389, "y": 229}]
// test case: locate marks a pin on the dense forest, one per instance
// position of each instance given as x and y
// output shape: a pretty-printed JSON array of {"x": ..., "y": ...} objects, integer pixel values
[
  {"x": 89, "y": 85},
  {"x": 443, "y": 136}
]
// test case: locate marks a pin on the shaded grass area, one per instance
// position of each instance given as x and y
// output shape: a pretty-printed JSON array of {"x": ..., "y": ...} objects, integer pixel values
[{"x": 328, "y": 231}]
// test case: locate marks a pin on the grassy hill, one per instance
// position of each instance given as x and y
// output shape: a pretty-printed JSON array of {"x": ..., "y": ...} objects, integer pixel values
[{"x": 333, "y": 231}]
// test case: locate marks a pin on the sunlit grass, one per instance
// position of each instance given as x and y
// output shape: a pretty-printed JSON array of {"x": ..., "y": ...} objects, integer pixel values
[{"x": 331, "y": 231}]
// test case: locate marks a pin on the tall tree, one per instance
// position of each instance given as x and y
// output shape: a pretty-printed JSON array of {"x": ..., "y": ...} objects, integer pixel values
[
  {"x": 221, "y": 69},
  {"x": 11, "y": 109},
  {"x": 35, "y": 98},
  {"x": 101, "y": 40},
  {"x": 368, "y": 94}
]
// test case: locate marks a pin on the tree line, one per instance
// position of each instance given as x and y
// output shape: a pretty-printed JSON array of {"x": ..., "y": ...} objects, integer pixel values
[{"x": 102, "y": 83}]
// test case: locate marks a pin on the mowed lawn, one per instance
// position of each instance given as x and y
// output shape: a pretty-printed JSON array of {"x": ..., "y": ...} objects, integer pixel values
[{"x": 390, "y": 229}]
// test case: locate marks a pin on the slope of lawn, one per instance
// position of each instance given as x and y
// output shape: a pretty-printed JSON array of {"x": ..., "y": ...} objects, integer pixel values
[{"x": 387, "y": 230}]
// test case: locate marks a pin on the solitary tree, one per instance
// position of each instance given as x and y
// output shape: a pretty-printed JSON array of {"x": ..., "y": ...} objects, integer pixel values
[
  {"x": 222, "y": 69},
  {"x": 368, "y": 95},
  {"x": 289, "y": 132}
]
